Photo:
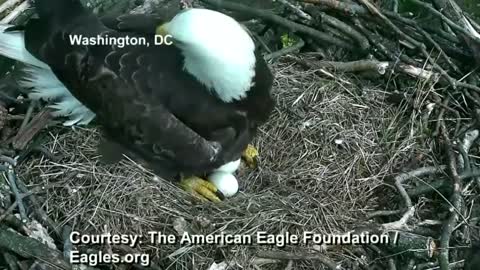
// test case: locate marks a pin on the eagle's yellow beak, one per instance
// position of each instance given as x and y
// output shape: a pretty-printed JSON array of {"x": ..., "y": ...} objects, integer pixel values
[{"x": 161, "y": 30}]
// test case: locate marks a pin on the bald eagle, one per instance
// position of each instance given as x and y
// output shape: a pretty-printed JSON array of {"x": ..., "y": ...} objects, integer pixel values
[{"x": 185, "y": 107}]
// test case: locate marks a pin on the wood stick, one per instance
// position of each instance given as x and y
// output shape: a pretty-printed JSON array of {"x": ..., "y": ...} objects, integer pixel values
[
  {"x": 30, "y": 248},
  {"x": 38, "y": 122}
]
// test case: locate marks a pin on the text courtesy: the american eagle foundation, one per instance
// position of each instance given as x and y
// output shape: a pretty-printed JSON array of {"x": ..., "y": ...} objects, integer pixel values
[{"x": 185, "y": 239}]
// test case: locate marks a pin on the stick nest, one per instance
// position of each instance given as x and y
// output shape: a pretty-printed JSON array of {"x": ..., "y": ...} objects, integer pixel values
[
  {"x": 374, "y": 131},
  {"x": 320, "y": 163}
]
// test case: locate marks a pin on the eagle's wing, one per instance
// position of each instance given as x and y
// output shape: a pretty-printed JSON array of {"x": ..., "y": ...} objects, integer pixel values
[
  {"x": 140, "y": 95},
  {"x": 137, "y": 23}
]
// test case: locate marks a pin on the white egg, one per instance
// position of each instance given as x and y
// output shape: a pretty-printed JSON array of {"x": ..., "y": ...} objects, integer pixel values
[
  {"x": 225, "y": 182},
  {"x": 229, "y": 167}
]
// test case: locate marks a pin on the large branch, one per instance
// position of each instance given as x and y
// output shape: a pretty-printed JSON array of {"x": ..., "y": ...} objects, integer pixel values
[
  {"x": 273, "y": 18},
  {"x": 30, "y": 248}
]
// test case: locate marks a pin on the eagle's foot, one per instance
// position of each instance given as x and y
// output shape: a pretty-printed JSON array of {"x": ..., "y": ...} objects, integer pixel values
[
  {"x": 201, "y": 189},
  {"x": 250, "y": 156}
]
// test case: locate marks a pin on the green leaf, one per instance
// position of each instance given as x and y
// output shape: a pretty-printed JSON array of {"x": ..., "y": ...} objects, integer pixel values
[{"x": 287, "y": 40}]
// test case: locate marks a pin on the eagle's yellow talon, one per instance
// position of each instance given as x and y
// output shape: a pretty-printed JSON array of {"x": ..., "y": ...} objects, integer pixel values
[
  {"x": 250, "y": 156},
  {"x": 201, "y": 189}
]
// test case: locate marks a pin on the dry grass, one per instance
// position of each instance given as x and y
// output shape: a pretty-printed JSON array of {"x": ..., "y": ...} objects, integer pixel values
[{"x": 327, "y": 148}]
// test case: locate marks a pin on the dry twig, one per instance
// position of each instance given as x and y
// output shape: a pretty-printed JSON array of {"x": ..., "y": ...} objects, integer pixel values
[
  {"x": 281, "y": 255},
  {"x": 456, "y": 201}
]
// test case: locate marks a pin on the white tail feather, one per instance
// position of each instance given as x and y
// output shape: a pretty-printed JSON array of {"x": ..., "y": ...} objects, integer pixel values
[
  {"x": 12, "y": 45},
  {"x": 70, "y": 107},
  {"x": 44, "y": 84},
  {"x": 42, "y": 81}
]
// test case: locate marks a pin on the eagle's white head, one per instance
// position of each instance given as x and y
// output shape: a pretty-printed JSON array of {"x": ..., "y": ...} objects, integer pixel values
[{"x": 218, "y": 51}]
